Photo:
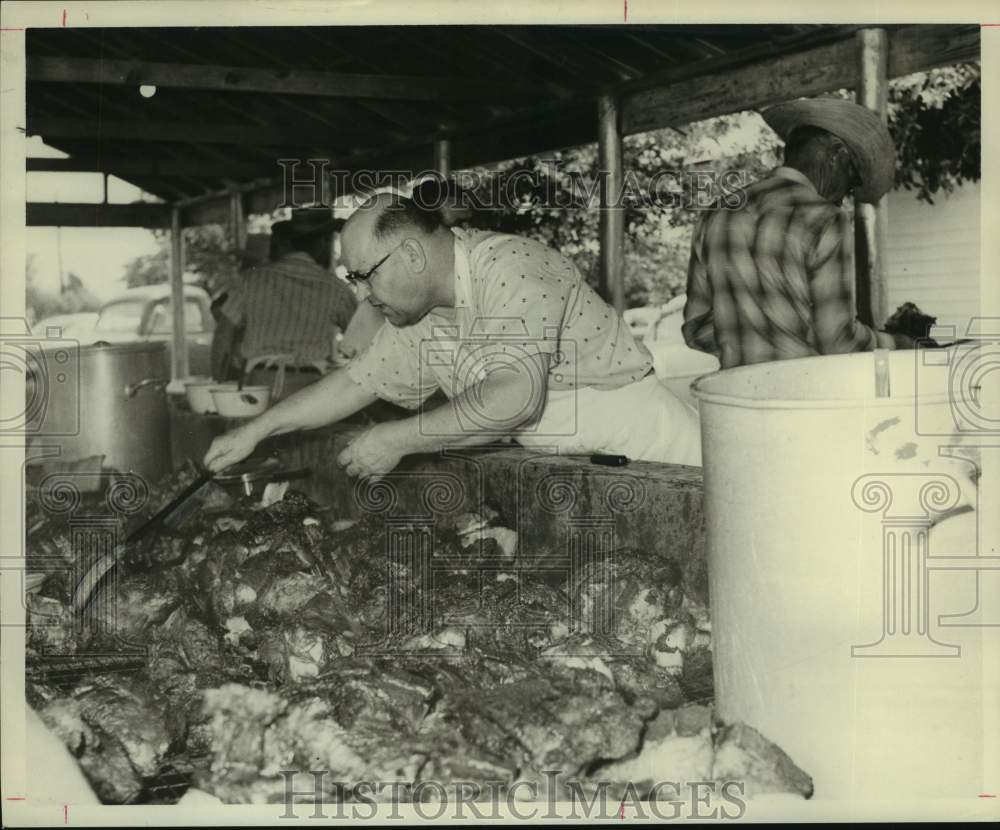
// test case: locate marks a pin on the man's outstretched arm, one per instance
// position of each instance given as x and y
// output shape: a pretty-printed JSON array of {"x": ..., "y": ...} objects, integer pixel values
[
  {"x": 327, "y": 401},
  {"x": 505, "y": 400}
]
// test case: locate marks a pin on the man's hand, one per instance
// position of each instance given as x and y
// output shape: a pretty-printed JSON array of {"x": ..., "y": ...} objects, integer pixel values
[
  {"x": 229, "y": 448},
  {"x": 375, "y": 452}
]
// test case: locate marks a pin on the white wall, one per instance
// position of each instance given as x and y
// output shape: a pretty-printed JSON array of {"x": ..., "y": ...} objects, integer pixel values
[{"x": 933, "y": 254}]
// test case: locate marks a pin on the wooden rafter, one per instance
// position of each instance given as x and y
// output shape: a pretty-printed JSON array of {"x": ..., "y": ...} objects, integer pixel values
[
  {"x": 156, "y": 168},
  {"x": 808, "y": 72},
  {"x": 282, "y": 82},
  {"x": 71, "y": 215},
  {"x": 167, "y": 131}
]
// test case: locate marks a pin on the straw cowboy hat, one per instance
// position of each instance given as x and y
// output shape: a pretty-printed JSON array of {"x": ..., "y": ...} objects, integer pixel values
[
  {"x": 859, "y": 128},
  {"x": 307, "y": 222}
]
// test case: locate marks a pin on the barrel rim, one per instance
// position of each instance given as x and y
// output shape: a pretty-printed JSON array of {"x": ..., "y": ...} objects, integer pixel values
[
  {"x": 752, "y": 402},
  {"x": 741, "y": 402}
]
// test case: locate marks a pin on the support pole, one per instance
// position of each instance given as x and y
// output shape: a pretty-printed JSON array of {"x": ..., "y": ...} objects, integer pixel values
[
  {"x": 609, "y": 149},
  {"x": 237, "y": 222},
  {"x": 442, "y": 157},
  {"x": 179, "y": 351},
  {"x": 871, "y": 221}
]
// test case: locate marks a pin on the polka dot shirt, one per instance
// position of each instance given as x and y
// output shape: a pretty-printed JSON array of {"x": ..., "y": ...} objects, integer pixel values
[{"x": 515, "y": 298}]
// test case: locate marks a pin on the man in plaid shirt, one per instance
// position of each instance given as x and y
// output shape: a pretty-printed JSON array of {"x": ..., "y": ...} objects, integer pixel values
[{"x": 774, "y": 278}]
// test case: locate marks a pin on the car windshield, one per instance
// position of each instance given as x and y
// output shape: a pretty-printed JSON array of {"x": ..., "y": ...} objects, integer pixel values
[
  {"x": 162, "y": 321},
  {"x": 121, "y": 316}
]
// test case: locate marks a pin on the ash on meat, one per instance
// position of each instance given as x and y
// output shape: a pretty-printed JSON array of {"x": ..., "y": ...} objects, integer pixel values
[{"x": 283, "y": 637}]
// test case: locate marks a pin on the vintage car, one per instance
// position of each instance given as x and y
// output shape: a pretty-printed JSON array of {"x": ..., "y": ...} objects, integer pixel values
[{"x": 146, "y": 313}]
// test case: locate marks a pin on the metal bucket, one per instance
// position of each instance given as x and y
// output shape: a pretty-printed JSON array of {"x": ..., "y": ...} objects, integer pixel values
[
  {"x": 835, "y": 631},
  {"x": 102, "y": 400}
]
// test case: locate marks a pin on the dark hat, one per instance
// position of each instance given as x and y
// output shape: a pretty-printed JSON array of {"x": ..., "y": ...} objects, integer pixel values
[
  {"x": 305, "y": 222},
  {"x": 859, "y": 128}
]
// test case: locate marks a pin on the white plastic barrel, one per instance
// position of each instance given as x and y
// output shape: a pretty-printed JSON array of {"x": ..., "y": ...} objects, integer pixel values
[{"x": 826, "y": 617}]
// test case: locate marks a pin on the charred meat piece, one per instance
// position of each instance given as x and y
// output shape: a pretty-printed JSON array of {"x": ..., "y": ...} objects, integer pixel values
[
  {"x": 188, "y": 640},
  {"x": 134, "y": 605},
  {"x": 560, "y": 730},
  {"x": 52, "y": 627},
  {"x": 743, "y": 754},
  {"x": 102, "y": 758},
  {"x": 257, "y": 733},
  {"x": 908, "y": 319},
  {"x": 125, "y": 709},
  {"x": 116, "y": 730}
]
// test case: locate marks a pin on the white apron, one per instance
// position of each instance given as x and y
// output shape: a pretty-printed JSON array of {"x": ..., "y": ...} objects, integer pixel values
[{"x": 644, "y": 421}]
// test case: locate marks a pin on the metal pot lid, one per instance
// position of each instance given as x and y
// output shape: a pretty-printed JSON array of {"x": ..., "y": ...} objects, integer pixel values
[
  {"x": 144, "y": 346},
  {"x": 101, "y": 347}
]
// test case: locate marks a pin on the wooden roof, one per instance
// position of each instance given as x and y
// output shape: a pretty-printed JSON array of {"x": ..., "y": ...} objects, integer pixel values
[{"x": 231, "y": 101}]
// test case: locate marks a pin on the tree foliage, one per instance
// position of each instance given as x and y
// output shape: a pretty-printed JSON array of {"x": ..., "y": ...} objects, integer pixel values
[
  {"x": 935, "y": 119},
  {"x": 72, "y": 297},
  {"x": 208, "y": 255}
]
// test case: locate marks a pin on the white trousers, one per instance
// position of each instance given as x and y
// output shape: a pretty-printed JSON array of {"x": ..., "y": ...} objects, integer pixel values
[{"x": 643, "y": 420}]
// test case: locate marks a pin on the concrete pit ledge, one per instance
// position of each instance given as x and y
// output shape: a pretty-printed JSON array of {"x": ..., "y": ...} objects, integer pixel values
[{"x": 555, "y": 503}]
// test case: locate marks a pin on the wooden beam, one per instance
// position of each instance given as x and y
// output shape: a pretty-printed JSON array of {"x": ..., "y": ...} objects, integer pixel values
[
  {"x": 561, "y": 55},
  {"x": 276, "y": 81},
  {"x": 237, "y": 222},
  {"x": 916, "y": 48},
  {"x": 193, "y": 133},
  {"x": 800, "y": 74},
  {"x": 871, "y": 221},
  {"x": 535, "y": 136},
  {"x": 610, "y": 169},
  {"x": 816, "y": 69},
  {"x": 77, "y": 215},
  {"x": 155, "y": 168}
]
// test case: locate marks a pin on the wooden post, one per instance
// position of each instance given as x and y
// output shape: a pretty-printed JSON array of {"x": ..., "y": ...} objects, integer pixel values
[
  {"x": 442, "y": 157},
  {"x": 609, "y": 151},
  {"x": 237, "y": 222},
  {"x": 179, "y": 351},
  {"x": 871, "y": 221}
]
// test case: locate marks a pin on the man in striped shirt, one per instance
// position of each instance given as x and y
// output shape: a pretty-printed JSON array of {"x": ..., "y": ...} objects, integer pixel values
[
  {"x": 773, "y": 278},
  {"x": 294, "y": 306}
]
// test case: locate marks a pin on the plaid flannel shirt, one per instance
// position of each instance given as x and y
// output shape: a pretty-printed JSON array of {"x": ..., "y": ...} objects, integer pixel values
[{"x": 774, "y": 279}]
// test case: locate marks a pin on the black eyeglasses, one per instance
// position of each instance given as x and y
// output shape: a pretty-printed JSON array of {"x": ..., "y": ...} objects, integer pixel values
[{"x": 358, "y": 276}]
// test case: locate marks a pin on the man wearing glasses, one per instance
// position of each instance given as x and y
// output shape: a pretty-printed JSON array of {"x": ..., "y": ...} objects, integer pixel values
[{"x": 506, "y": 328}]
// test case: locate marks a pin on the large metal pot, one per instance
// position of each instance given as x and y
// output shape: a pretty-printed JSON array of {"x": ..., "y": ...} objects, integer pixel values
[{"x": 103, "y": 400}]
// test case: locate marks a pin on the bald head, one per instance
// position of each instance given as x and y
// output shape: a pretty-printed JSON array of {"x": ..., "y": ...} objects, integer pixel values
[
  {"x": 412, "y": 254},
  {"x": 386, "y": 215}
]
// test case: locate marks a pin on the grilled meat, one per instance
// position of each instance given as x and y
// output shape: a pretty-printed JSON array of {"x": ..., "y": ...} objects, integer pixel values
[{"x": 279, "y": 637}]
